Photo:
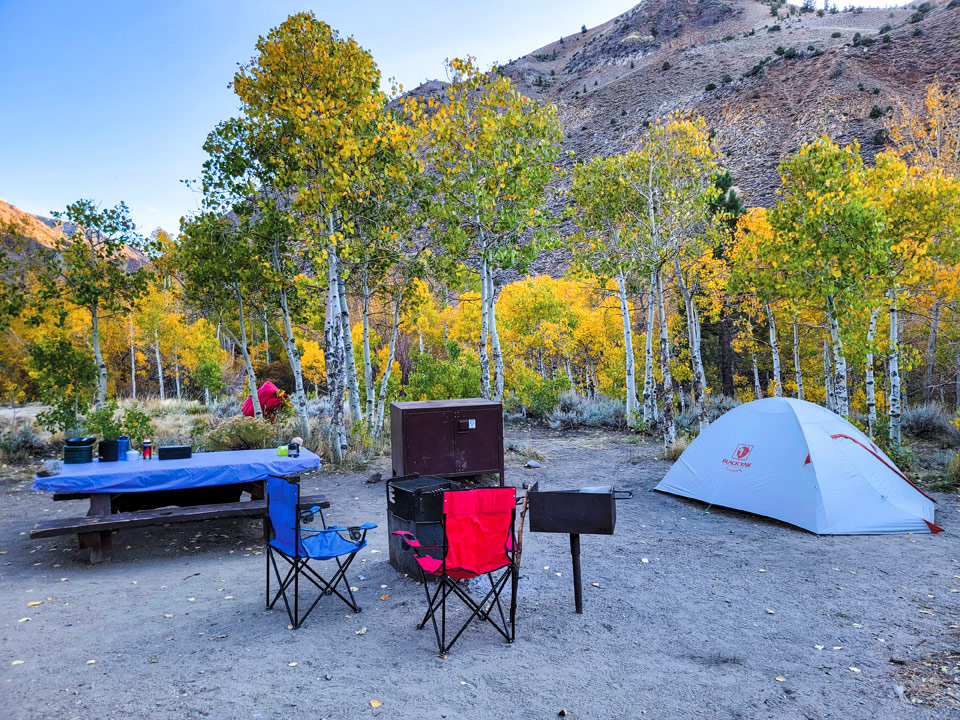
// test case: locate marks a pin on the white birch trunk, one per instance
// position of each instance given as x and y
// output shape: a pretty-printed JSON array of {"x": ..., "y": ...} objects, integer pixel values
[
  {"x": 367, "y": 362},
  {"x": 649, "y": 397},
  {"x": 293, "y": 357},
  {"x": 797, "y": 370},
  {"x": 266, "y": 334},
  {"x": 133, "y": 364},
  {"x": 484, "y": 330},
  {"x": 696, "y": 355},
  {"x": 631, "y": 380},
  {"x": 333, "y": 353},
  {"x": 248, "y": 364},
  {"x": 350, "y": 359},
  {"x": 870, "y": 386},
  {"x": 840, "y": 361},
  {"x": 669, "y": 427},
  {"x": 385, "y": 380},
  {"x": 176, "y": 372},
  {"x": 829, "y": 395},
  {"x": 757, "y": 389},
  {"x": 98, "y": 354},
  {"x": 774, "y": 351},
  {"x": 894, "y": 363},
  {"x": 156, "y": 350},
  {"x": 493, "y": 295}
]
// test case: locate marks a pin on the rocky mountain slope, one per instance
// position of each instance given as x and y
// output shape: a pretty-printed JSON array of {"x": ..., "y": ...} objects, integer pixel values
[
  {"x": 45, "y": 231},
  {"x": 765, "y": 83}
]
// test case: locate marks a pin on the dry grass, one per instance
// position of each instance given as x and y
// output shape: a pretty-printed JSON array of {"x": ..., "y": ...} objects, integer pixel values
[
  {"x": 934, "y": 680},
  {"x": 527, "y": 450},
  {"x": 676, "y": 450}
]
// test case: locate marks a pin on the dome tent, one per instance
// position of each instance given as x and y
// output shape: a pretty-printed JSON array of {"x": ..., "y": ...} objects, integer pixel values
[{"x": 800, "y": 463}]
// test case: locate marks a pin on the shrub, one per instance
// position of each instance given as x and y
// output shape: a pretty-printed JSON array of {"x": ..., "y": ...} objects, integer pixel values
[
  {"x": 105, "y": 422},
  {"x": 779, "y": 51},
  {"x": 885, "y": 29},
  {"x": 950, "y": 479},
  {"x": 790, "y": 54},
  {"x": 533, "y": 395},
  {"x": 953, "y": 4},
  {"x": 575, "y": 410},
  {"x": 632, "y": 65},
  {"x": 20, "y": 442},
  {"x": 774, "y": 8},
  {"x": 811, "y": 48},
  {"x": 456, "y": 376},
  {"x": 710, "y": 86},
  {"x": 929, "y": 422},
  {"x": 242, "y": 433},
  {"x": 924, "y": 7},
  {"x": 886, "y": 38},
  {"x": 881, "y": 137},
  {"x": 876, "y": 112},
  {"x": 665, "y": 66},
  {"x": 917, "y": 32},
  {"x": 916, "y": 17},
  {"x": 726, "y": 78},
  {"x": 136, "y": 425},
  {"x": 773, "y": 28},
  {"x": 835, "y": 34}
]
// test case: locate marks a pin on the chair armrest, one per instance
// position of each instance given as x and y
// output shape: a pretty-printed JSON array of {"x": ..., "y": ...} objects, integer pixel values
[{"x": 412, "y": 542}]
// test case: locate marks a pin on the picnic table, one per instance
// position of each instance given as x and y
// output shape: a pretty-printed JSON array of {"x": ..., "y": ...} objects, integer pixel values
[{"x": 150, "y": 492}]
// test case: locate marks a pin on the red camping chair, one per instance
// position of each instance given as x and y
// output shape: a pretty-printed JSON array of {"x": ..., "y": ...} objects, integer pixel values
[{"x": 478, "y": 540}]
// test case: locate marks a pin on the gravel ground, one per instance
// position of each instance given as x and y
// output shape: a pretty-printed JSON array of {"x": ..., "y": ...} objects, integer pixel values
[{"x": 687, "y": 614}]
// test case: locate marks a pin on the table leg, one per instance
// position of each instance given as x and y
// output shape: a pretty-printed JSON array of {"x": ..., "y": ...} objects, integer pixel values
[
  {"x": 99, "y": 543},
  {"x": 577, "y": 585}
]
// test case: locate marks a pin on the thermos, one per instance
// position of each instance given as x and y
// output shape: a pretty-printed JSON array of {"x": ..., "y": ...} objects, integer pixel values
[{"x": 147, "y": 448}]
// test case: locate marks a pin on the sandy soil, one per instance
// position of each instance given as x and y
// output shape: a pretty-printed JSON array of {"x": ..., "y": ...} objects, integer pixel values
[{"x": 718, "y": 615}]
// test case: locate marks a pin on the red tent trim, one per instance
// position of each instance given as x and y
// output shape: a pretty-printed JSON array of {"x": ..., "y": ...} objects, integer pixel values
[{"x": 934, "y": 529}]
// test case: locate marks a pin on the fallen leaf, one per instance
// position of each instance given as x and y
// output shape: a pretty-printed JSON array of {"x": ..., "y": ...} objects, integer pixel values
[
  {"x": 34, "y": 603},
  {"x": 595, "y": 584},
  {"x": 819, "y": 647},
  {"x": 191, "y": 599},
  {"x": 91, "y": 662},
  {"x": 228, "y": 597},
  {"x": 771, "y": 612},
  {"x": 361, "y": 631},
  {"x": 838, "y": 647},
  {"x": 293, "y": 664},
  {"x": 17, "y": 662},
  {"x": 761, "y": 570},
  {"x": 375, "y": 704},
  {"x": 644, "y": 560},
  {"x": 153, "y": 660},
  {"x": 780, "y": 678},
  {"x": 168, "y": 615},
  {"x": 355, "y": 589},
  {"x": 384, "y": 597},
  {"x": 857, "y": 625},
  {"x": 24, "y": 620},
  {"x": 854, "y": 670},
  {"x": 289, "y": 627}
]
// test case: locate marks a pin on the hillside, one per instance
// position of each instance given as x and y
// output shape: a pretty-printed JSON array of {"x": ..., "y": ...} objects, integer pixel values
[
  {"x": 45, "y": 231},
  {"x": 611, "y": 80}
]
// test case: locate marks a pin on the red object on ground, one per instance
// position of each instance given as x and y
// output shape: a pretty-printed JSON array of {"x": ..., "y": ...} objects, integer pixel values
[{"x": 268, "y": 399}]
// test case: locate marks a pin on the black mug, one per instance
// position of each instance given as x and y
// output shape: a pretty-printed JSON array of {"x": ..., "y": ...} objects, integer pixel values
[{"x": 293, "y": 449}]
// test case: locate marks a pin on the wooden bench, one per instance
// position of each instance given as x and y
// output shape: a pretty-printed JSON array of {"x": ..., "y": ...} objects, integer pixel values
[{"x": 95, "y": 531}]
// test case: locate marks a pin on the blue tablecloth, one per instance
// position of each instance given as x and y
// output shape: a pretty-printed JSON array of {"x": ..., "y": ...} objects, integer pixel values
[{"x": 201, "y": 470}]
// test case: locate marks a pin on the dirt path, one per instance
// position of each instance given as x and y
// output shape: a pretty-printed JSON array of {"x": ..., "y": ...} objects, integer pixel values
[{"x": 692, "y": 615}]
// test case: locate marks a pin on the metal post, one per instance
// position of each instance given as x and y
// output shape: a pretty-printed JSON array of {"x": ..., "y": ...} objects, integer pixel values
[{"x": 577, "y": 585}]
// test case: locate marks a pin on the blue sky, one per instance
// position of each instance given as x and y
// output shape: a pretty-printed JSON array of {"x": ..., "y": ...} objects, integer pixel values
[{"x": 111, "y": 100}]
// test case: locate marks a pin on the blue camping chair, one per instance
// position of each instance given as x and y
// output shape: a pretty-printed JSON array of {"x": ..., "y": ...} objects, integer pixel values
[{"x": 299, "y": 545}]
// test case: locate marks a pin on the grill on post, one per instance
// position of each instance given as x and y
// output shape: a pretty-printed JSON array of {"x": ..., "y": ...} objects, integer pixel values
[{"x": 590, "y": 510}]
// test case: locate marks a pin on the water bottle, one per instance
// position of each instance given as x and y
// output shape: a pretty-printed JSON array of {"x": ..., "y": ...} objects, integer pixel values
[{"x": 147, "y": 448}]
